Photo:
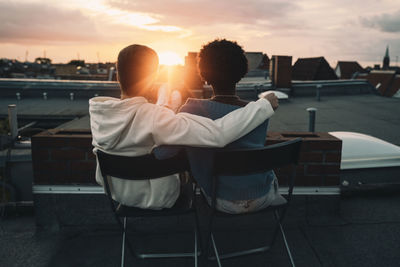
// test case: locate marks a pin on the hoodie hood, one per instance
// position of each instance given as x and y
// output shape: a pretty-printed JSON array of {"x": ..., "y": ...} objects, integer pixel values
[{"x": 109, "y": 119}]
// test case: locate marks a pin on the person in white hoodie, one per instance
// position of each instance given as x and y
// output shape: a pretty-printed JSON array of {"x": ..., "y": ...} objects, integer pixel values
[{"x": 131, "y": 126}]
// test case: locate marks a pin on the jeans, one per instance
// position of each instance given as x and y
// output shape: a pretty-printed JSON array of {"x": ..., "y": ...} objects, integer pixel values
[{"x": 244, "y": 206}]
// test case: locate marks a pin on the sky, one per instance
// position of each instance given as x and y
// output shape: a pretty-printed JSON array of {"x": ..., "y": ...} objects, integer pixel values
[{"x": 97, "y": 29}]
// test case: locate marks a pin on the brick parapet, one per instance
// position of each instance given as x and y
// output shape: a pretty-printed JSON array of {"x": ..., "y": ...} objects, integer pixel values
[
  {"x": 320, "y": 158},
  {"x": 65, "y": 157}
]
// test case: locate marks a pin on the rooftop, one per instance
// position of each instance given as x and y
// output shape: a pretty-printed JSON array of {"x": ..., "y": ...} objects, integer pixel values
[
  {"x": 316, "y": 68},
  {"x": 322, "y": 231},
  {"x": 346, "y": 69},
  {"x": 369, "y": 114},
  {"x": 341, "y": 230}
]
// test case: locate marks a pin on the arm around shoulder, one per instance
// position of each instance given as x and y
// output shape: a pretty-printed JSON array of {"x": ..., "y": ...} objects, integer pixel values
[
  {"x": 188, "y": 129},
  {"x": 242, "y": 121}
]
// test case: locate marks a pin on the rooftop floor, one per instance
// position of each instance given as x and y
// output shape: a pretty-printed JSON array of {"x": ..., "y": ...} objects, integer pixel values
[
  {"x": 369, "y": 114},
  {"x": 322, "y": 231},
  {"x": 40, "y": 108}
]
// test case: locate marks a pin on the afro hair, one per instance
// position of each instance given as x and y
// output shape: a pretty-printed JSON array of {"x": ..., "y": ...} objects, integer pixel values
[{"x": 222, "y": 62}]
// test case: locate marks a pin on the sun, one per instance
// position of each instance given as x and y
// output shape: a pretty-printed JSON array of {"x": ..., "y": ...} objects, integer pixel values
[{"x": 170, "y": 58}]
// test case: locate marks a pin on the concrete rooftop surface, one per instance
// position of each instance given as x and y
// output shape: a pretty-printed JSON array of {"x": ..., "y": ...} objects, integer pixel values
[
  {"x": 364, "y": 113},
  {"x": 368, "y": 114},
  {"x": 39, "y": 108},
  {"x": 358, "y": 230},
  {"x": 321, "y": 231}
]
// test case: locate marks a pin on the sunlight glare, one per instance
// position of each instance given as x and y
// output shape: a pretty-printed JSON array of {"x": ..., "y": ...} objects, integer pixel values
[{"x": 170, "y": 58}]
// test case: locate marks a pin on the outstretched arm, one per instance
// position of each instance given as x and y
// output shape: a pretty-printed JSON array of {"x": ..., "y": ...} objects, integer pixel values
[{"x": 192, "y": 130}]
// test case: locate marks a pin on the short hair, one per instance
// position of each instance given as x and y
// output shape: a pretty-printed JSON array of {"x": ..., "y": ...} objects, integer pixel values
[
  {"x": 135, "y": 64},
  {"x": 222, "y": 62}
]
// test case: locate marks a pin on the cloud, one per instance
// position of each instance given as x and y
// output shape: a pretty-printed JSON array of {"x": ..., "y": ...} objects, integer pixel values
[
  {"x": 337, "y": 29},
  {"x": 387, "y": 22},
  {"x": 208, "y": 12},
  {"x": 37, "y": 23}
]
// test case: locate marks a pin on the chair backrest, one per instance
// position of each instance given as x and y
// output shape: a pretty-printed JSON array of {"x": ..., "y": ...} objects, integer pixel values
[
  {"x": 140, "y": 167},
  {"x": 256, "y": 160},
  {"x": 237, "y": 162}
]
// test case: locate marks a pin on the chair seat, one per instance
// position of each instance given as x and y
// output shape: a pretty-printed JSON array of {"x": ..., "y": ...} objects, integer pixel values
[
  {"x": 277, "y": 203},
  {"x": 183, "y": 204}
]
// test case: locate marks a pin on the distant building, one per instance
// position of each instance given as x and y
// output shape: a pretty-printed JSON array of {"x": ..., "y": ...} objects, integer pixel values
[
  {"x": 254, "y": 59},
  {"x": 386, "y": 82},
  {"x": 258, "y": 64},
  {"x": 386, "y": 64},
  {"x": 386, "y": 60},
  {"x": 264, "y": 65},
  {"x": 43, "y": 61},
  {"x": 65, "y": 69},
  {"x": 281, "y": 71},
  {"x": 77, "y": 62},
  {"x": 312, "y": 69},
  {"x": 192, "y": 79},
  {"x": 41, "y": 68},
  {"x": 347, "y": 69}
]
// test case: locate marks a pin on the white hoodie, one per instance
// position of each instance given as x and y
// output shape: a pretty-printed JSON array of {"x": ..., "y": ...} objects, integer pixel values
[{"x": 133, "y": 127}]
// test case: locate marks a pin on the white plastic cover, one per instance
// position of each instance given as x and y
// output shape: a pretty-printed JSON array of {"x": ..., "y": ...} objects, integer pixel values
[
  {"x": 397, "y": 94},
  {"x": 363, "y": 151},
  {"x": 279, "y": 94}
]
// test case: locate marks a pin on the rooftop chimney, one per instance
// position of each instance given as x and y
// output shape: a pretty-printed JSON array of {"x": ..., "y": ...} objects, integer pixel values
[{"x": 281, "y": 71}]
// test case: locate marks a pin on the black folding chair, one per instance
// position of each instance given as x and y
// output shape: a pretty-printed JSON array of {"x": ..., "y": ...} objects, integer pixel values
[
  {"x": 142, "y": 168},
  {"x": 250, "y": 161}
]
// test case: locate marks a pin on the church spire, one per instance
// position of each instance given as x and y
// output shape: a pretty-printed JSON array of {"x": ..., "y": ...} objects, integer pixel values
[{"x": 386, "y": 59}]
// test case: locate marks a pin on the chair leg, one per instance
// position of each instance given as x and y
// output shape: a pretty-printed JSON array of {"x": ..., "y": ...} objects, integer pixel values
[
  {"x": 218, "y": 257},
  {"x": 284, "y": 239},
  {"x": 276, "y": 230},
  {"x": 207, "y": 247},
  {"x": 173, "y": 255},
  {"x": 126, "y": 243},
  {"x": 197, "y": 228},
  {"x": 123, "y": 242},
  {"x": 196, "y": 233},
  {"x": 215, "y": 251},
  {"x": 211, "y": 242},
  {"x": 195, "y": 247}
]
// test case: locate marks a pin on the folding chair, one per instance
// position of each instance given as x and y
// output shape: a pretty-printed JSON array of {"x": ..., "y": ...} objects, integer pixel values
[
  {"x": 239, "y": 162},
  {"x": 141, "y": 168}
]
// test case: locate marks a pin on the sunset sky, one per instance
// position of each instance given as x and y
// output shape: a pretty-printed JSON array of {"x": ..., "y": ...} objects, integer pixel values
[{"x": 337, "y": 29}]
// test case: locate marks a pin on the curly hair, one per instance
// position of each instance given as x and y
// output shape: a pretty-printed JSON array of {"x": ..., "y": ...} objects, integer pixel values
[{"x": 222, "y": 62}]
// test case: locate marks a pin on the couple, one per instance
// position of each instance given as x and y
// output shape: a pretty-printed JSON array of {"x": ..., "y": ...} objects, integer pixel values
[{"x": 131, "y": 126}]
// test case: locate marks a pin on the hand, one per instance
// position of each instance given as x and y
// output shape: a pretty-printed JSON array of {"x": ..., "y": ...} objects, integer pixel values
[
  {"x": 162, "y": 95},
  {"x": 271, "y": 97}
]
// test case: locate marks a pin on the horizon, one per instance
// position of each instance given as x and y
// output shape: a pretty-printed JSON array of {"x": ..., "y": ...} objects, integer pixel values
[
  {"x": 333, "y": 65},
  {"x": 96, "y": 30}
]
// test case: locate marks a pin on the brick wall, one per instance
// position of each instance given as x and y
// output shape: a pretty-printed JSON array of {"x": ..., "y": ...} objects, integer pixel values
[
  {"x": 320, "y": 158},
  {"x": 65, "y": 157}
]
